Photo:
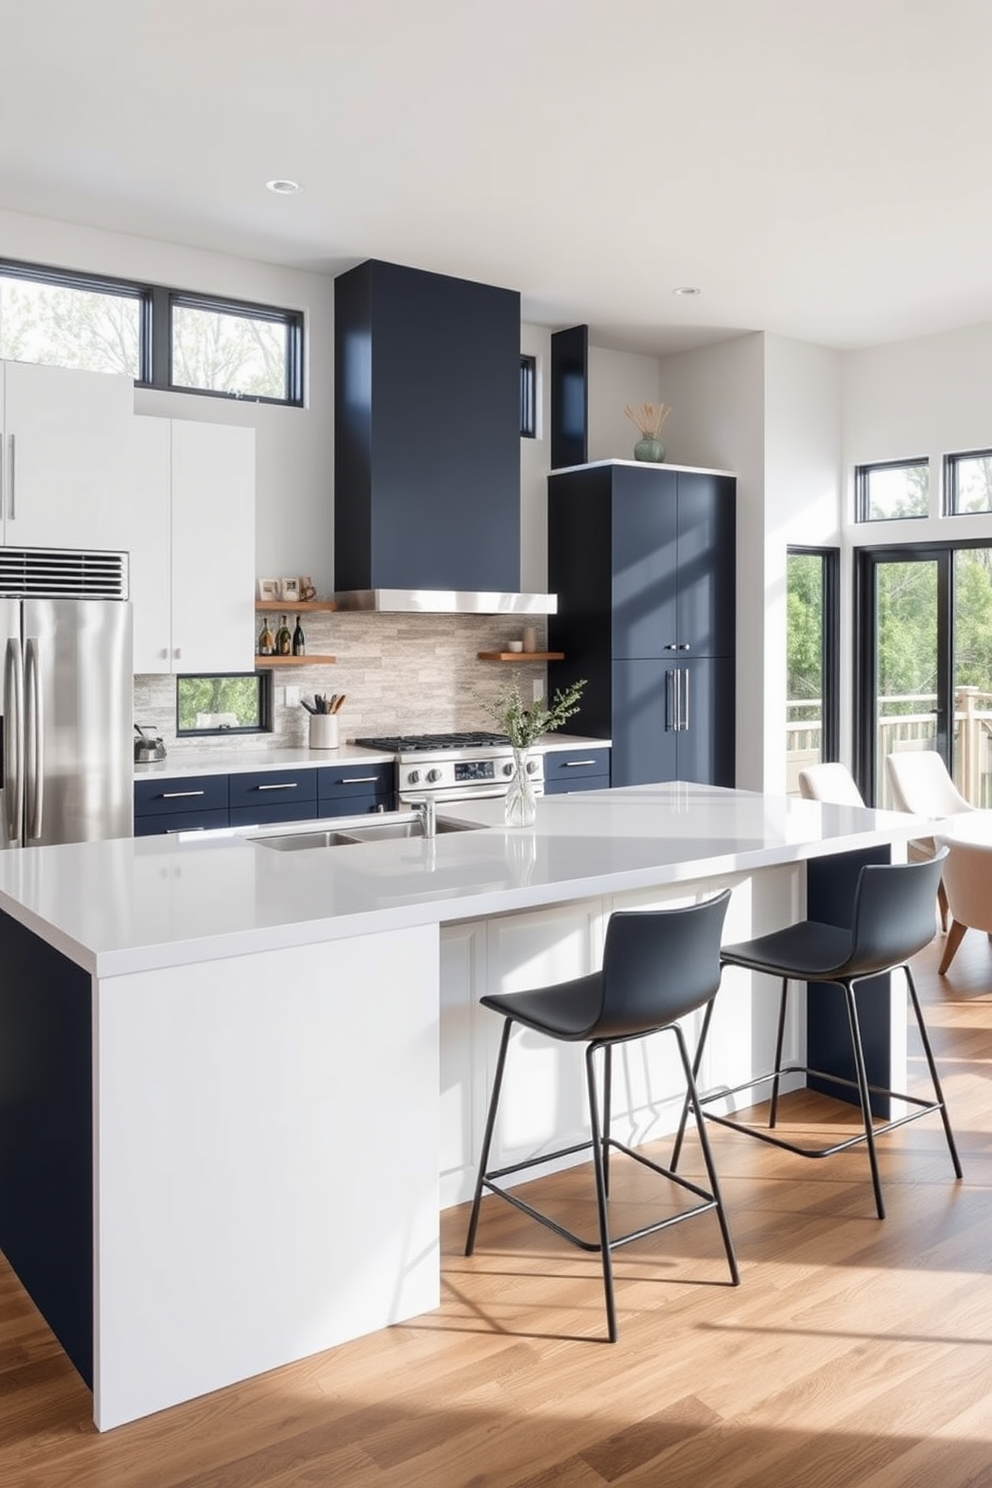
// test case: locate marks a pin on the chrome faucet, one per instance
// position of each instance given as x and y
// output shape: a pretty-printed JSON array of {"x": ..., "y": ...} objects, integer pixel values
[{"x": 428, "y": 818}]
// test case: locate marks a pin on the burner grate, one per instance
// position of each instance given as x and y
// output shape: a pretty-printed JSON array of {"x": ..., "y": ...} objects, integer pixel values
[{"x": 403, "y": 743}]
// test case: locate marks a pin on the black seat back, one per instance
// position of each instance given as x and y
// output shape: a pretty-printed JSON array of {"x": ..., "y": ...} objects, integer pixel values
[
  {"x": 658, "y": 965},
  {"x": 894, "y": 915}
]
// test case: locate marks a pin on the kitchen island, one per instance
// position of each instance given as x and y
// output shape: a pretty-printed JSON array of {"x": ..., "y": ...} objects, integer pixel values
[{"x": 238, "y": 1082}]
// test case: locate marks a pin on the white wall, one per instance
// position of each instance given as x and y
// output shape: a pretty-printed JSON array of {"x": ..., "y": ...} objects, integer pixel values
[
  {"x": 927, "y": 397},
  {"x": 803, "y": 485},
  {"x": 617, "y": 378},
  {"x": 294, "y": 526},
  {"x": 717, "y": 395}
]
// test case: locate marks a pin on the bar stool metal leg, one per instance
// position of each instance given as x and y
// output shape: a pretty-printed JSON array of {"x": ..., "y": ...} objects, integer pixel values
[{"x": 487, "y": 1139}]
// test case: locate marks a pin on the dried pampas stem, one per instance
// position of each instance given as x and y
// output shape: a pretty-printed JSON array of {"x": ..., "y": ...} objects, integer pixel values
[{"x": 648, "y": 418}]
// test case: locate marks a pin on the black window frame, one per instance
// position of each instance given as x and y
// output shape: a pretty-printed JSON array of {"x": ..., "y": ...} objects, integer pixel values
[
  {"x": 862, "y": 474},
  {"x": 951, "y": 484},
  {"x": 830, "y": 653},
  {"x": 528, "y": 396},
  {"x": 155, "y": 326},
  {"x": 263, "y": 680}
]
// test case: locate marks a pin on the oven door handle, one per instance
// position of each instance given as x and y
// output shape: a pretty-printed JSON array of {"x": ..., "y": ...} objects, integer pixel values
[{"x": 463, "y": 797}]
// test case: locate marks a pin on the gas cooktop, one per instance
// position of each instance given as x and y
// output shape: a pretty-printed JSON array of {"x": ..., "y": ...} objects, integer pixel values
[{"x": 405, "y": 743}]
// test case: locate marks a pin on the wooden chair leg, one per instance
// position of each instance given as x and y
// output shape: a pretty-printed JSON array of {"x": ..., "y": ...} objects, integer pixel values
[
  {"x": 954, "y": 938},
  {"x": 942, "y": 904}
]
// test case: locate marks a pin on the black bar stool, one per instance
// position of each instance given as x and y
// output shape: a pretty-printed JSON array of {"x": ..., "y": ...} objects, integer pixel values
[
  {"x": 658, "y": 966},
  {"x": 893, "y": 919}
]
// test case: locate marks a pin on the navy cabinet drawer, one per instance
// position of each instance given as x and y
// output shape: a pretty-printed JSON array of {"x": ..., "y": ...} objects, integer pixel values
[
  {"x": 336, "y": 781},
  {"x": 266, "y": 812},
  {"x": 181, "y": 794},
  {"x": 355, "y": 805},
  {"x": 257, "y": 788},
  {"x": 569, "y": 787},
  {"x": 565, "y": 769},
  {"x": 165, "y": 822}
]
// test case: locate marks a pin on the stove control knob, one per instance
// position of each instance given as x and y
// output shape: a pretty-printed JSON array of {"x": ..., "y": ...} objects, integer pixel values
[
  {"x": 433, "y": 776},
  {"x": 531, "y": 767},
  {"x": 413, "y": 777},
  {"x": 507, "y": 769}
]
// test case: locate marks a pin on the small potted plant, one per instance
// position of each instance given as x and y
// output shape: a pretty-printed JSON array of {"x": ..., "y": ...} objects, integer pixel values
[{"x": 523, "y": 724}]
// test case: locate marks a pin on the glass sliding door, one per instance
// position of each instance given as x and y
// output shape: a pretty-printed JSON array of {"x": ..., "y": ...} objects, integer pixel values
[
  {"x": 903, "y": 627},
  {"x": 811, "y": 720},
  {"x": 924, "y": 624},
  {"x": 972, "y": 673}
]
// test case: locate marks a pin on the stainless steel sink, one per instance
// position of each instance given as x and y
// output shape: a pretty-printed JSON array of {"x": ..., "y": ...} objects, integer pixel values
[{"x": 377, "y": 831}]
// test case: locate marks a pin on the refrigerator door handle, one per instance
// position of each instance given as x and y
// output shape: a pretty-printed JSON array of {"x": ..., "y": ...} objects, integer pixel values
[
  {"x": 3, "y": 487},
  {"x": 34, "y": 733},
  {"x": 11, "y": 514},
  {"x": 13, "y": 713}
]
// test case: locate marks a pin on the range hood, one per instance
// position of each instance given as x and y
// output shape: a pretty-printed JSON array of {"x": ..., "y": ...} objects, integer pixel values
[
  {"x": 446, "y": 602},
  {"x": 427, "y": 445}
]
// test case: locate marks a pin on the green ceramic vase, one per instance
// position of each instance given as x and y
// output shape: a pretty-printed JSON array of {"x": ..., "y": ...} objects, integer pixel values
[{"x": 649, "y": 448}]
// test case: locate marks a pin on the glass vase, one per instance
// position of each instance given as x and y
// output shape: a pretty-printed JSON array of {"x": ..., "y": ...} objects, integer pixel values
[{"x": 520, "y": 803}]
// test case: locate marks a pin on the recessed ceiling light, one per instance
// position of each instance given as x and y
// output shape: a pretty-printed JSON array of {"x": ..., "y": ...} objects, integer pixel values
[
  {"x": 284, "y": 188},
  {"x": 686, "y": 289}
]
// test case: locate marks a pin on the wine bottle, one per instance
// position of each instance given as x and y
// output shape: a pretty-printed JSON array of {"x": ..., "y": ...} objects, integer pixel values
[
  {"x": 266, "y": 640},
  {"x": 299, "y": 639},
  {"x": 284, "y": 641}
]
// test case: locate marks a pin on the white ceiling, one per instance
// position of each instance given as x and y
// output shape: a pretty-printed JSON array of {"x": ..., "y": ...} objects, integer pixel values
[{"x": 819, "y": 170}]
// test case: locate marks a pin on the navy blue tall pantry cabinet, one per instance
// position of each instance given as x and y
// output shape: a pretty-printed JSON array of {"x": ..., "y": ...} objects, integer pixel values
[{"x": 643, "y": 561}]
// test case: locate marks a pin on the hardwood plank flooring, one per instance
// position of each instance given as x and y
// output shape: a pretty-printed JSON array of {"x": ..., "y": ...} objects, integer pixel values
[{"x": 855, "y": 1353}]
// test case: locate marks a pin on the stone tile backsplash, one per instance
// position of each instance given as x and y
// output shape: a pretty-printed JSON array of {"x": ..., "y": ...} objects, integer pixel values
[{"x": 415, "y": 673}]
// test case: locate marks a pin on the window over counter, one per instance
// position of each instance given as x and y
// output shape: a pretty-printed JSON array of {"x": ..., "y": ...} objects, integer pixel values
[
  {"x": 164, "y": 338},
  {"x": 892, "y": 490},
  {"x": 216, "y": 703}
]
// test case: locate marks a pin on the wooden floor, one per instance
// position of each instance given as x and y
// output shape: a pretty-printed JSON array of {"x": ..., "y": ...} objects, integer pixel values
[{"x": 855, "y": 1353}]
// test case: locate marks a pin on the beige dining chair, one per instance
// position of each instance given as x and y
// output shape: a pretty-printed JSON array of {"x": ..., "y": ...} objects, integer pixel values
[
  {"x": 829, "y": 782},
  {"x": 967, "y": 882},
  {"x": 921, "y": 783}
]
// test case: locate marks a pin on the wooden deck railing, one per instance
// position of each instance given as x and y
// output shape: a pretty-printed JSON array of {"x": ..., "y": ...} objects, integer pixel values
[{"x": 908, "y": 721}]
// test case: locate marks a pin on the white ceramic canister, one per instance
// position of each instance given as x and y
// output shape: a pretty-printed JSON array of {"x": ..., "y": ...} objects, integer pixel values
[{"x": 324, "y": 731}]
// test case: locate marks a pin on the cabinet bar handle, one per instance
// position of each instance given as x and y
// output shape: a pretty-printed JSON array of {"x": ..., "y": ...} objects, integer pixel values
[
  {"x": 573, "y": 764},
  {"x": 359, "y": 779},
  {"x": 686, "y": 723},
  {"x": 178, "y": 831},
  {"x": 180, "y": 795},
  {"x": 283, "y": 785},
  {"x": 10, "y": 477}
]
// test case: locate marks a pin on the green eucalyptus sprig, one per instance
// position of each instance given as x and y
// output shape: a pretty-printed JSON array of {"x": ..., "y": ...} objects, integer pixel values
[{"x": 524, "y": 723}]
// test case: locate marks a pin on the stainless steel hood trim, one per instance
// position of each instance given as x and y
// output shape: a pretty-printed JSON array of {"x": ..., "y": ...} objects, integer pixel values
[{"x": 446, "y": 602}]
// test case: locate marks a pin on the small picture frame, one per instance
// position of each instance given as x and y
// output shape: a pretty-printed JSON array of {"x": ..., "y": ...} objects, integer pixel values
[
  {"x": 289, "y": 589},
  {"x": 268, "y": 588}
]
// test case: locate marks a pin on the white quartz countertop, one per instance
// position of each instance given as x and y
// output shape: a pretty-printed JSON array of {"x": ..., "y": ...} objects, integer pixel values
[
  {"x": 144, "y": 903},
  {"x": 218, "y": 759}
]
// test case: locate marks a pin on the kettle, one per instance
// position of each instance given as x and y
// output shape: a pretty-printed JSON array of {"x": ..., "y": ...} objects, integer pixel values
[{"x": 145, "y": 748}]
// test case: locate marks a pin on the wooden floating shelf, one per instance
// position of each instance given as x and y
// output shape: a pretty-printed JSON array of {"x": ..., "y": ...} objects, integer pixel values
[
  {"x": 521, "y": 656},
  {"x": 281, "y": 661},
  {"x": 298, "y": 606}
]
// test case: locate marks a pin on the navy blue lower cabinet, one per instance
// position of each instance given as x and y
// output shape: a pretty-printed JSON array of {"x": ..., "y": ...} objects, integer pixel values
[
  {"x": 46, "y": 1142},
  {"x": 350, "y": 789},
  {"x": 272, "y": 796},
  {"x": 179, "y": 804},
  {"x": 567, "y": 770},
  {"x": 181, "y": 821}
]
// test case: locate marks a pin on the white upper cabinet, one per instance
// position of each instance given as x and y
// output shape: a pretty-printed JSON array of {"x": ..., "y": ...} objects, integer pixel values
[
  {"x": 65, "y": 458},
  {"x": 193, "y": 548}
]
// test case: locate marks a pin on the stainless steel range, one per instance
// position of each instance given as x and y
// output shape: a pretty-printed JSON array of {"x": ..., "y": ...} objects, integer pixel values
[{"x": 454, "y": 767}]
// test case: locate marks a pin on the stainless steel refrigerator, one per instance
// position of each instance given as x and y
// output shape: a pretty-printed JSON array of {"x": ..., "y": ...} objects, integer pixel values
[{"x": 65, "y": 731}]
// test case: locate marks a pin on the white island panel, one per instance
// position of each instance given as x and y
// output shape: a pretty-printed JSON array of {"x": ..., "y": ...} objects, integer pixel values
[{"x": 266, "y": 1178}]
